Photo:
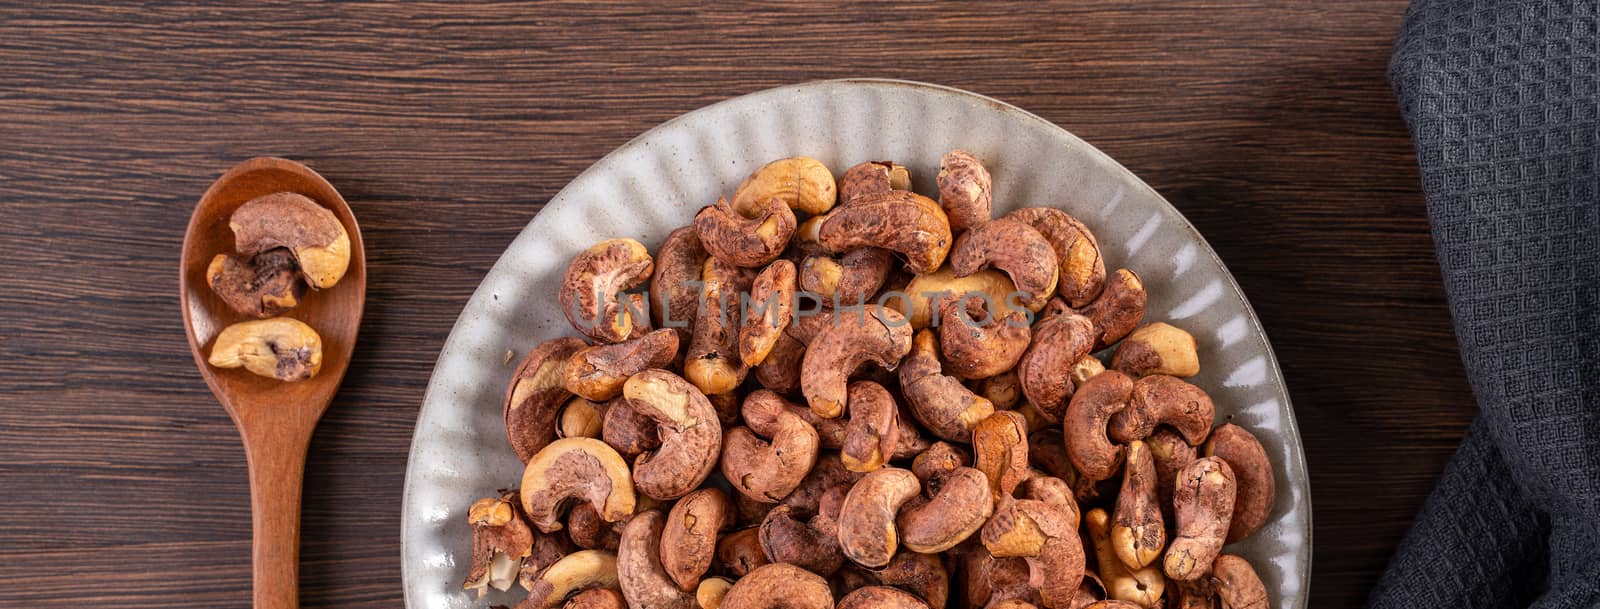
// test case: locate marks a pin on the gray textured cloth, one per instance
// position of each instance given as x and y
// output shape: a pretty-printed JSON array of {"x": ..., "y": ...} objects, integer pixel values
[{"x": 1502, "y": 101}]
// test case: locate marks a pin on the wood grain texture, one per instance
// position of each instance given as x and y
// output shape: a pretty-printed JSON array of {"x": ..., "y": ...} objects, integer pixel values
[{"x": 446, "y": 126}]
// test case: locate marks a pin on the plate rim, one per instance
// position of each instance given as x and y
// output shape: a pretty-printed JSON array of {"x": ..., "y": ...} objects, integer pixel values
[{"x": 1296, "y": 466}]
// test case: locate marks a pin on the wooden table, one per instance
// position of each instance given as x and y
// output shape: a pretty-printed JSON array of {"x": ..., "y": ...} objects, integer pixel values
[{"x": 122, "y": 483}]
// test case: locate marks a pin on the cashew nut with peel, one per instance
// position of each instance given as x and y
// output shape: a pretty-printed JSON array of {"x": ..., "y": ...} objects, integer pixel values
[
  {"x": 1202, "y": 505},
  {"x": 1237, "y": 584},
  {"x": 867, "y": 531},
  {"x": 595, "y": 598},
  {"x": 690, "y": 531},
  {"x": 597, "y": 373},
  {"x": 1013, "y": 247},
  {"x": 631, "y": 433},
  {"x": 1253, "y": 472},
  {"x": 1138, "y": 532},
  {"x": 872, "y": 177},
  {"x": 900, "y": 221},
  {"x": 880, "y": 597},
  {"x": 740, "y": 552},
  {"x": 1143, "y": 587},
  {"x": 743, "y": 241},
  {"x": 779, "y": 586},
  {"x": 575, "y": 468},
  {"x": 591, "y": 291},
  {"x": 644, "y": 581},
  {"x": 1092, "y": 406},
  {"x": 575, "y": 572},
  {"x": 876, "y": 334},
  {"x": 500, "y": 540},
  {"x": 1157, "y": 348},
  {"x": 802, "y": 183},
  {"x": 1000, "y": 447},
  {"x": 921, "y": 574},
  {"x": 691, "y": 434},
  {"x": 978, "y": 343},
  {"x": 809, "y": 545},
  {"x": 965, "y": 191},
  {"x": 850, "y": 279},
  {"x": 991, "y": 581},
  {"x": 712, "y": 362},
  {"x": 828, "y": 473},
  {"x": 1046, "y": 534},
  {"x": 955, "y": 505},
  {"x": 1082, "y": 270},
  {"x": 537, "y": 391},
  {"x": 581, "y": 418},
  {"x": 1118, "y": 309},
  {"x": 1170, "y": 453},
  {"x": 1198, "y": 593},
  {"x": 1164, "y": 400},
  {"x": 1060, "y": 340},
  {"x": 873, "y": 430},
  {"x": 674, "y": 286},
  {"x": 940, "y": 402},
  {"x": 261, "y": 286},
  {"x": 766, "y": 471},
  {"x": 771, "y": 303},
  {"x": 587, "y": 530},
  {"x": 280, "y": 348},
  {"x": 319, "y": 241}
]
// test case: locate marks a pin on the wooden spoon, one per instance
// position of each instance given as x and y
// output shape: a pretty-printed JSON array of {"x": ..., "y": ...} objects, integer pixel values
[{"x": 275, "y": 418}]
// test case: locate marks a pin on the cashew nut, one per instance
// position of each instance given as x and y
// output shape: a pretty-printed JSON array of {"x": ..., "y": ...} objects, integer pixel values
[
  {"x": 872, "y": 177},
  {"x": 1118, "y": 309},
  {"x": 771, "y": 301},
  {"x": 848, "y": 279},
  {"x": 595, "y": 598},
  {"x": 644, "y": 581},
  {"x": 590, "y": 291},
  {"x": 691, "y": 532},
  {"x": 1199, "y": 593},
  {"x": 1237, "y": 584},
  {"x": 1000, "y": 446},
  {"x": 691, "y": 435},
  {"x": 768, "y": 471},
  {"x": 744, "y": 241},
  {"x": 262, "y": 286},
  {"x": 880, "y": 597},
  {"x": 991, "y": 581},
  {"x": 1203, "y": 505},
  {"x": 926, "y": 292},
  {"x": 712, "y": 362},
  {"x": 787, "y": 539},
  {"x": 955, "y": 505},
  {"x": 575, "y": 468},
  {"x": 828, "y": 474},
  {"x": 965, "y": 191},
  {"x": 1046, "y": 534},
  {"x": 280, "y": 348},
  {"x": 674, "y": 289},
  {"x": 740, "y": 552},
  {"x": 1083, "y": 272},
  {"x": 1142, "y": 587},
  {"x": 1138, "y": 532},
  {"x": 875, "y": 335},
  {"x": 319, "y": 241},
  {"x": 867, "y": 532},
  {"x": 1159, "y": 400},
  {"x": 537, "y": 391},
  {"x": 1257, "y": 490},
  {"x": 873, "y": 430},
  {"x": 976, "y": 342},
  {"x": 1157, "y": 348},
  {"x": 779, "y": 586},
  {"x": 711, "y": 592},
  {"x": 1171, "y": 453},
  {"x": 921, "y": 574},
  {"x": 628, "y": 431},
  {"x": 938, "y": 401},
  {"x": 1013, "y": 247},
  {"x": 1003, "y": 390},
  {"x": 1061, "y": 339},
  {"x": 901, "y": 221},
  {"x": 501, "y": 539},
  {"x": 802, "y": 183},
  {"x": 575, "y": 572},
  {"x": 597, "y": 373},
  {"x": 581, "y": 418},
  {"x": 1084, "y": 424},
  {"x": 587, "y": 530}
]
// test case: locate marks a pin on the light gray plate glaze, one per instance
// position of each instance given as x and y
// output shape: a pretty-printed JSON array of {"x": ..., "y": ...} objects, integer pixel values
[{"x": 657, "y": 181}]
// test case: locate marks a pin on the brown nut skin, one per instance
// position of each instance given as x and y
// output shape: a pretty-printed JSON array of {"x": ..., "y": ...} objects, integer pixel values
[
  {"x": 1118, "y": 310},
  {"x": 867, "y": 532},
  {"x": 627, "y": 431},
  {"x": 766, "y": 471},
  {"x": 872, "y": 177},
  {"x": 281, "y": 348},
  {"x": 1013, "y": 247},
  {"x": 537, "y": 391},
  {"x": 880, "y": 597},
  {"x": 644, "y": 581},
  {"x": 575, "y": 468},
  {"x": 1237, "y": 584},
  {"x": 921, "y": 574},
  {"x": 1060, "y": 339},
  {"x": 940, "y": 402},
  {"x": 1084, "y": 425},
  {"x": 1202, "y": 505},
  {"x": 955, "y": 506},
  {"x": 691, "y": 434},
  {"x": 319, "y": 241},
  {"x": 1253, "y": 473},
  {"x": 1004, "y": 390},
  {"x": 1082, "y": 270},
  {"x": 1157, "y": 348},
  {"x": 787, "y": 539},
  {"x": 767, "y": 316},
  {"x": 1142, "y": 587},
  {"x": 581, "y": 418},
  {"x": 1171, "y": 453},
  {"x": 978, "y": 344},
  {"x": 674, "y": 286},
  {"x": 264, "y": 285},
  {"x": 940, "y": 458},
  {"x": 1046, "y": 534},
  {"x": 779, "y": 586},
  {"x": 575, "y": 572},
  {"x": 749, "y": 242},
  {"x": 901, "y": 221},
  {"x": 876, "y": 335},
  {"x": 873, "y": 430},
  {"x": 1000, "y": 447},
  {"x": 802, "y": 183},
  {"x": 712, "y": 361},
  {"x": 591, "y": 290},
  {"x": 1138, "y": 532},
  {"x": 690, "y": 531},
  {"x": 588, "y": 531},
  {"x": 851, "y": 278},
  {"x": 1164, "y": 400},
  {"x": 990, "y": 580},
  {"x": 597, "y": 373},
  {"x": 596, "y": 598},
  {"x": 501, "y": 539},
  {"x": 965, "y": 191},
  {"x": 740, "y": 552}
]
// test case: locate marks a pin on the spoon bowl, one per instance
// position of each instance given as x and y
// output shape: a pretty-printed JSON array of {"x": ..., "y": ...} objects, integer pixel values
[{"x": 275, "y": 418}]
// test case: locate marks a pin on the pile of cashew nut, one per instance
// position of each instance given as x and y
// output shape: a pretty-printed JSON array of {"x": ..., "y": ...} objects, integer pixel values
[
  {"x": 288, "y": 242},
  {"x": 929, "y": 426}
]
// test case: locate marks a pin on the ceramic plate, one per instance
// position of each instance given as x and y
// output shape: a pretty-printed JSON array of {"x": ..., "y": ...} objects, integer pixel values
[{"x": 656, "y": 183}]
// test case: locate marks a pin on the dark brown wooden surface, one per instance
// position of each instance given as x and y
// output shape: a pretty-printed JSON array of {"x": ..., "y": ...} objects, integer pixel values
[{"x": 122, "y": 482}]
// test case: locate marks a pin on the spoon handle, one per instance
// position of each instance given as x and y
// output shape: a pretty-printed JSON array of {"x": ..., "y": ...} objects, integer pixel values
[{"x": 277, "y": 462}]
